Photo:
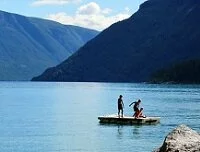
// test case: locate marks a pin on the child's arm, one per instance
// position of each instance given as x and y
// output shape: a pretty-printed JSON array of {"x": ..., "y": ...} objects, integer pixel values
[{"x": 131, "y": 103}]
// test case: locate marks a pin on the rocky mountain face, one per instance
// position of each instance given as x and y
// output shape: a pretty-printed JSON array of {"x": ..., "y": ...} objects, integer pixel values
[
  {"x": 29, "y": 45},
  {"x": 181, "y": 139},
  {"x": 161, "y": 33}
]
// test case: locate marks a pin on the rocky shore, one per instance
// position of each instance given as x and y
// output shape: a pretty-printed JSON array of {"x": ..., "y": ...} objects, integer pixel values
[{"x": 181, "y": 139}]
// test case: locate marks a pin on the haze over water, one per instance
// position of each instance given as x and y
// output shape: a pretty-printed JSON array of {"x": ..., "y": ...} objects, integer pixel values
[{"x": 63, "y": 116}]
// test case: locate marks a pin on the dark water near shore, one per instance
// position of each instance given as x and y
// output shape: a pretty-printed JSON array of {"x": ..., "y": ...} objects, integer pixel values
[{"x": 45, "y": 117}]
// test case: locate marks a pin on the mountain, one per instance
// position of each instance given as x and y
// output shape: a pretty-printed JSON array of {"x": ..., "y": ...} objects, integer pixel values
[
  {"x": 184, "y": 72},
  {"x": 159, "y": 34},
  {"x": 29, "y": 45}
]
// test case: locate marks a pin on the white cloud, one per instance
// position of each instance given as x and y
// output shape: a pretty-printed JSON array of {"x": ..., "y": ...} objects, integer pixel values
[
  {"x": 127, "y": 9},
  {"x": 90, "y": 16},
  {"x": 107, "y": 11},
  {"x": 89, "y": 9},
  {"x": 52, "y": 2}
]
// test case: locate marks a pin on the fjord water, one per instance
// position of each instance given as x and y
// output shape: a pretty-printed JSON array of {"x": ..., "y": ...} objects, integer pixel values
[{"x": 62, "y": 117}]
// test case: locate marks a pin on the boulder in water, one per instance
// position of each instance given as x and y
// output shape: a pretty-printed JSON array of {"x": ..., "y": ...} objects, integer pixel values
[{"x": 181, "y": 139}]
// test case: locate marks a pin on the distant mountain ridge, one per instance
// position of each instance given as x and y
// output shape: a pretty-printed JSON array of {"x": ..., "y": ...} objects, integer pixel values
[
  {"x": 29, "y": 45},
  {"x": 161, "y": 33}
]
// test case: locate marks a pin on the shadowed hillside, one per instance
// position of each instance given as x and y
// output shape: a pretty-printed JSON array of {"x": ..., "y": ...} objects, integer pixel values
[
  {"x": 160, "y": 33},
  {"x": 184, "y": 72},
  {"x": 29, "y": 45}
]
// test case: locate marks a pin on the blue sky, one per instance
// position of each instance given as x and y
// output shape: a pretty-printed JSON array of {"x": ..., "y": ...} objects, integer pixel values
[{"x": 95, "y": 14}]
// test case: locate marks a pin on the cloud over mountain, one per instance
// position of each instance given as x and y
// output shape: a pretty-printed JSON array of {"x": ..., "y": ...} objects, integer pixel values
[{"x": 91, "y": 15}]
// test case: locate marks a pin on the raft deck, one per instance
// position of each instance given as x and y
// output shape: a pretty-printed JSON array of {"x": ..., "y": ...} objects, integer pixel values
[{"x": 114, "y": 119}]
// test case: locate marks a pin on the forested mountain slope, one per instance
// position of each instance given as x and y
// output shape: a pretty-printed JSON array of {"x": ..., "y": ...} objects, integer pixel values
[
  {"x": 161, "y": 33},
  {"x": 29, "y": 45}
]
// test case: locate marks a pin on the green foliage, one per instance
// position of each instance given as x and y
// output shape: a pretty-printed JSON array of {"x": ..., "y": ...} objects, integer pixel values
[{"x": 184, "y": 72}]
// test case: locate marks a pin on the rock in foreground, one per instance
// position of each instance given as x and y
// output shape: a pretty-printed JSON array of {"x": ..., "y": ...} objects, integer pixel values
[{"x": 181, "y": 139}]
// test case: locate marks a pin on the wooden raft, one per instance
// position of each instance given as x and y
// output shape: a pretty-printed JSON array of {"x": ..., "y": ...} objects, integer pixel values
[{"x": 114, "y": 119}]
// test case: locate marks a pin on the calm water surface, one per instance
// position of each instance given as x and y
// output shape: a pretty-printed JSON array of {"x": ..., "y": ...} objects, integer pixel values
[{"x": 51, "y": 117}]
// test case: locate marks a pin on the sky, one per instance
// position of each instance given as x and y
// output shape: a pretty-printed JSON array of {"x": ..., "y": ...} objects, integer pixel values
[{"x": 92, "y": 14}]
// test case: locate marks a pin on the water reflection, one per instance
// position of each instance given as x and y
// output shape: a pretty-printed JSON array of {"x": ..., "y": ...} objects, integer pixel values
[
  {"x": 129, "y": 131},
  {"x": 136, "y": 130},
  {"x": 119, "y": 131}
]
